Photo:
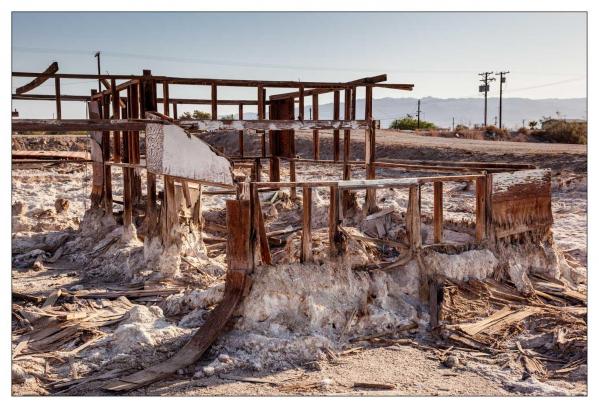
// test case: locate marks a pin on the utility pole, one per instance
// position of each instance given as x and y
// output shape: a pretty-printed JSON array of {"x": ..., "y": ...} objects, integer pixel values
[
  {"x": 97, "y": 55},
  {"x": 452, "y": 123},
  {"x": 310, "y": 113},
  {"x": 485, "y": 88},
  {"x": 418, "y": 114},
  {"x": 502, "y": 75}
]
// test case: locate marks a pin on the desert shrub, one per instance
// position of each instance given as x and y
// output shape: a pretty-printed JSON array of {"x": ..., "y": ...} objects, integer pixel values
[
  {"x": 199, "y": 115},
  {"x": 495, "y": 132},
  {"x": 409, "y": 123},
  {"x": 566, "y": 132},
  {"x": 228, "y": 117},
  {"x": 524, "y": 131}
]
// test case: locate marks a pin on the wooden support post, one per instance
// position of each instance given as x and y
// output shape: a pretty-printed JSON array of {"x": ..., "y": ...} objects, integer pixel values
[
  {"x": 96, "y": 150},
  {"x": 196, "y": 214},
  {"x": 258, "y": 219},
  {"x": 116, "y": 114},
  {"x": 213, "y": 101},
  {"x": 306, "y": 252},
  {"x": 353, "y": 103},
  {"x": 261, "y": 115},
  {"x": 369, "y": 154},
  {"x": 127, "y": 174},
  {"x": 175, "y": 116},
  {"x": 315, "y": 136},
  {"x": 413, "y": 218},
  {"x": 438, "y": 212},
  {"x": 292, "y": 191},
  {"x": 58, "y": 102},
  {"x": 134, "y": 151},
  {"x": 490, "y": 230},
  {"x": 334, "y": 241},
  {"x": 165, "y": 99},
  {"x": 433, "y": 302},
  {"x": 241, "y": 131},
  {"x": 186, "y": 193},
  {"x": 258, "y": 171},
  {"x": 336, "y": 97},
  {"x": 240, "y": 241},
  {"x": 301, "y": 103},
  {"x": 481, "y": 195},
  {"x": 347, "y": 135},
  {"x": 106, "y": 158},
  {"x": 149, "y": 103}
]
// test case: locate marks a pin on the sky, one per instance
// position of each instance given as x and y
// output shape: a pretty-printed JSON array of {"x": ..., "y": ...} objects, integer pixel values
[{"x": 440, "y": 53}]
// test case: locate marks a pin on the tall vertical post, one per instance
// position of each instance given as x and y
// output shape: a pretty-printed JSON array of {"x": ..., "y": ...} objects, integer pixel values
[
  {"x": 149, "y": 104},
  {"x": 347, "y": 135},
  {"x": 334, "y": 242},
  {"x": 58, "y": 102},
  {"x": 106, "y": 157},
  {"x": 241, "y": 131},
  {"x": 481, "y": 210},
  {"x": 213, "y": 101},
  {"x": 97, "y": 193},
  {"x": 438, "y": 212},
  {"x": 336, "y": 97},
  {"x": 301, "y": 103},
  {"x": 370, "y": 204},
  {"x": 261, "y": 115},
  {"x": 165, "y": 99},
  {"x": 306, "y": 251},
  {"x": 116, "y": 114},
  {"x": 413, "y": 218},
  {"x": 315, "y": 135}
]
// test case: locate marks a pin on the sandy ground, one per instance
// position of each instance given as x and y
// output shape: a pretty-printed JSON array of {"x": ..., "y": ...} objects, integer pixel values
[{"x": 412, "y": 370}]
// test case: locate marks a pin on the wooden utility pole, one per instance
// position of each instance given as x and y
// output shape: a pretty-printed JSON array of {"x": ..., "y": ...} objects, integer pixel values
[
  {"x": 501, "y": 82},
  {"x": 418, "y": 115},
  {"x": 485, "y": 88},
  {"x": 97, "y": 55}
]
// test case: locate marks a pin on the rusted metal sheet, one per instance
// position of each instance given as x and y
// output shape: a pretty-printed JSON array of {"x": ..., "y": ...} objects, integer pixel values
[{"x": 521, "y": 202}]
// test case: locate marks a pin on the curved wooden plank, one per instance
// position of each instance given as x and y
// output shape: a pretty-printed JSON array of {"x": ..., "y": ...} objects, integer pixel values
[{"x": 52, "y": 69}]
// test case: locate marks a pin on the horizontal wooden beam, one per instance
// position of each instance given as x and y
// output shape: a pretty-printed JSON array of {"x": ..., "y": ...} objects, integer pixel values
[
  {"x": 234, "y": 102},
  {"x": 39, "y": 97},
  {"x": 211, "y": 125},
  {"x": 210, "y": 81},
  {"x": 39, "y": 79},
  {"x": 309, "y": 92},
  {"x": 401, "y": 87},
  {"x": 65, "y": 125}
]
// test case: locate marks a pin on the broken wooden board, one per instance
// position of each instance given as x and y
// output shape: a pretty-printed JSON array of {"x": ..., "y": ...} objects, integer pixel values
[
  {"x": 521, "y": 202},
  {"x": 498, "y": 320},
  {"x": 171, "y": 151}
]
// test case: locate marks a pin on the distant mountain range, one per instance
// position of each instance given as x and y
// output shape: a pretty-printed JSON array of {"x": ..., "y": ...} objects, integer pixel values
[{"x": 466, "y": 111}]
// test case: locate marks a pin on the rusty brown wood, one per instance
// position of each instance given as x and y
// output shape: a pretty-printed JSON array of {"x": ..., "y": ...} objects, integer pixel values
[
  {"x": 306, "y": 252},
  {"x": 258, "y": 218},
  {"x": 301, "y": 103},
  {"x": 334, "y": 241},
  {"x": 58, "y": 100},
  {"x": 292, "y": 191},
  {"x": 315, "y": 135},
  {"x": 336, "y": 98},
  {"x": 165, "y": 99},
  {"x": 481, "y": 195},
  {"x": 40, "y": 79},
  {"x": 116, "y": 114},
  {"x": 134, "y": 150},
  {"x": 489, "y": 207},
  {"x": 213, "y": 99},
  {"x": 241, "y": 131},
  {"x": 438, "y": 212},
  {"x": 240, "y": 260},
  {"x": 347, "y": 135},
  {"x": 127, "y": 175},
  {"x": 413, "y": 218},
  {"x": 353, "y": 103},
  {"x": 46, "y": 97},
  {"x": 175, "y": 115}
]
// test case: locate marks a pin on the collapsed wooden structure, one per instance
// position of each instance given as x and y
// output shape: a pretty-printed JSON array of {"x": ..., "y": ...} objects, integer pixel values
[{"x": 510, "y": 198}]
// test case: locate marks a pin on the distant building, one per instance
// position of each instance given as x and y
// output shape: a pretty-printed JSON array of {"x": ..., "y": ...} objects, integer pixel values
[{"x": 550, "y": 122}]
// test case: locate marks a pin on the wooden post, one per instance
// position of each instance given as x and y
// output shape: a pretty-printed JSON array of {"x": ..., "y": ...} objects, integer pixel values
[
  {"x": 97, "y": 192},
  {"x": 315, "y": 136},
  {"x": 413, "y": 218},
  {"x": 105, "y": 158},
  {"x": 481, "y": 195},
  {"x": 258, "y": 167},
  {"x": 336, "y": 97},
  {"x": 301, "y": 103},
  {"x": 175, "y": 116},
  {"x": 370, "y": 158},
  {"x": 149, "y": 103},
  {"x": 240, "y": 244},
  {"x": 353, "y": 103},
  {"x": 346, "y": 135},
  {"x": 213, "y": 100},
  {"x": 490, "y": 230},
  {"x": 58, "y": 102},
  {"x": 306, "y": 252},
  {"x": 433, "y": 302},
  {"x": 127, "y": 173},
  {"x": 134, "y": 109},
  {"x": 165, "y": 98},
  {"x": 116, "y": 114},
  {"x": 261, "y": 115},
  {"x": 169, "y": 211},
  {"x": 241, "y": 131},
  {"x": 334, "y": 242},
  {"x": 258, "y": 220},
  {"x": 196, "y": 215},
  {"x": 438, "y": 212},
  {"x": 292, "y": 191}
]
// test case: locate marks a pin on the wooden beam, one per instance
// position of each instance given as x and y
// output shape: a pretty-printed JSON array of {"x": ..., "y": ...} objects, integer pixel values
[
  {"x": 45, "y": 97},
  {"x": 213, "y": 99},
  {"x": 347, "y": 135},
  {"x": 106, "y": 158},
  {"x": 369, "y": 152},
  {"x": 116, "y": 114},
  {"x": 438, "y": 212},
  {"x": 413, "y": 218},
  {"x": 241, "y": 131},
  {"x": 315, "y": 135},
  {"x": 334, "y": 241},
  {"x": 41, "y": 78},
  {"x": 306, "y": 251},
  {"x": 481, "y": 196},
  {"x": 58, "y": 103},
  {"x": 336, "y": 98},
  {"x": 332, "y": 86},
  {"x": 402, "y": 87},
  {"x": 258, "y": 218},
  {"x": 165, "y": 99}
]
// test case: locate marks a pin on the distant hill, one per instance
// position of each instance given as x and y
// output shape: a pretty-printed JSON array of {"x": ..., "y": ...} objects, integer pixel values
[
  {"x": 466, "y": 111},
  {"x": 469, "y": 111}
]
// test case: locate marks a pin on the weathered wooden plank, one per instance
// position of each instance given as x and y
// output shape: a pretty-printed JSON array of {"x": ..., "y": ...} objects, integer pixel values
[
  {"x": 258, "y": 222},
  {"x": 437, "y": 212},
  {"x": 315, "y": 135},
  {"x": 347, "y": 134},
  {"x": 116, "y": 114},
  {"x": 96, "y": 155},
  {"x": 165, "y": 99},
  {"x": 213, "y": 99},
  {"x": 58, "y": 100},
  {"x": 336, "y": 98},
  {"x": 41, "y": 78},
  {"x": 334, "y": 237},
  {"x": 481, "y": 195},
  {"x": 306, "y": 243},
  {"x": 413, "y": 218},
  {"x": 241, "y": 131}
]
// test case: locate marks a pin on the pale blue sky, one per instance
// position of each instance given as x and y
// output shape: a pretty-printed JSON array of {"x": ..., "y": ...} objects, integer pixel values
[{"x": 441, "y": 53}]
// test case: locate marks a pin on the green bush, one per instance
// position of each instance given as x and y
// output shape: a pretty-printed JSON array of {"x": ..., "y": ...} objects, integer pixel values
[
  {"x": 199, "y": 115},
  {"x": 409, "y": 123},
  {"x": 566, "y": 132}
]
